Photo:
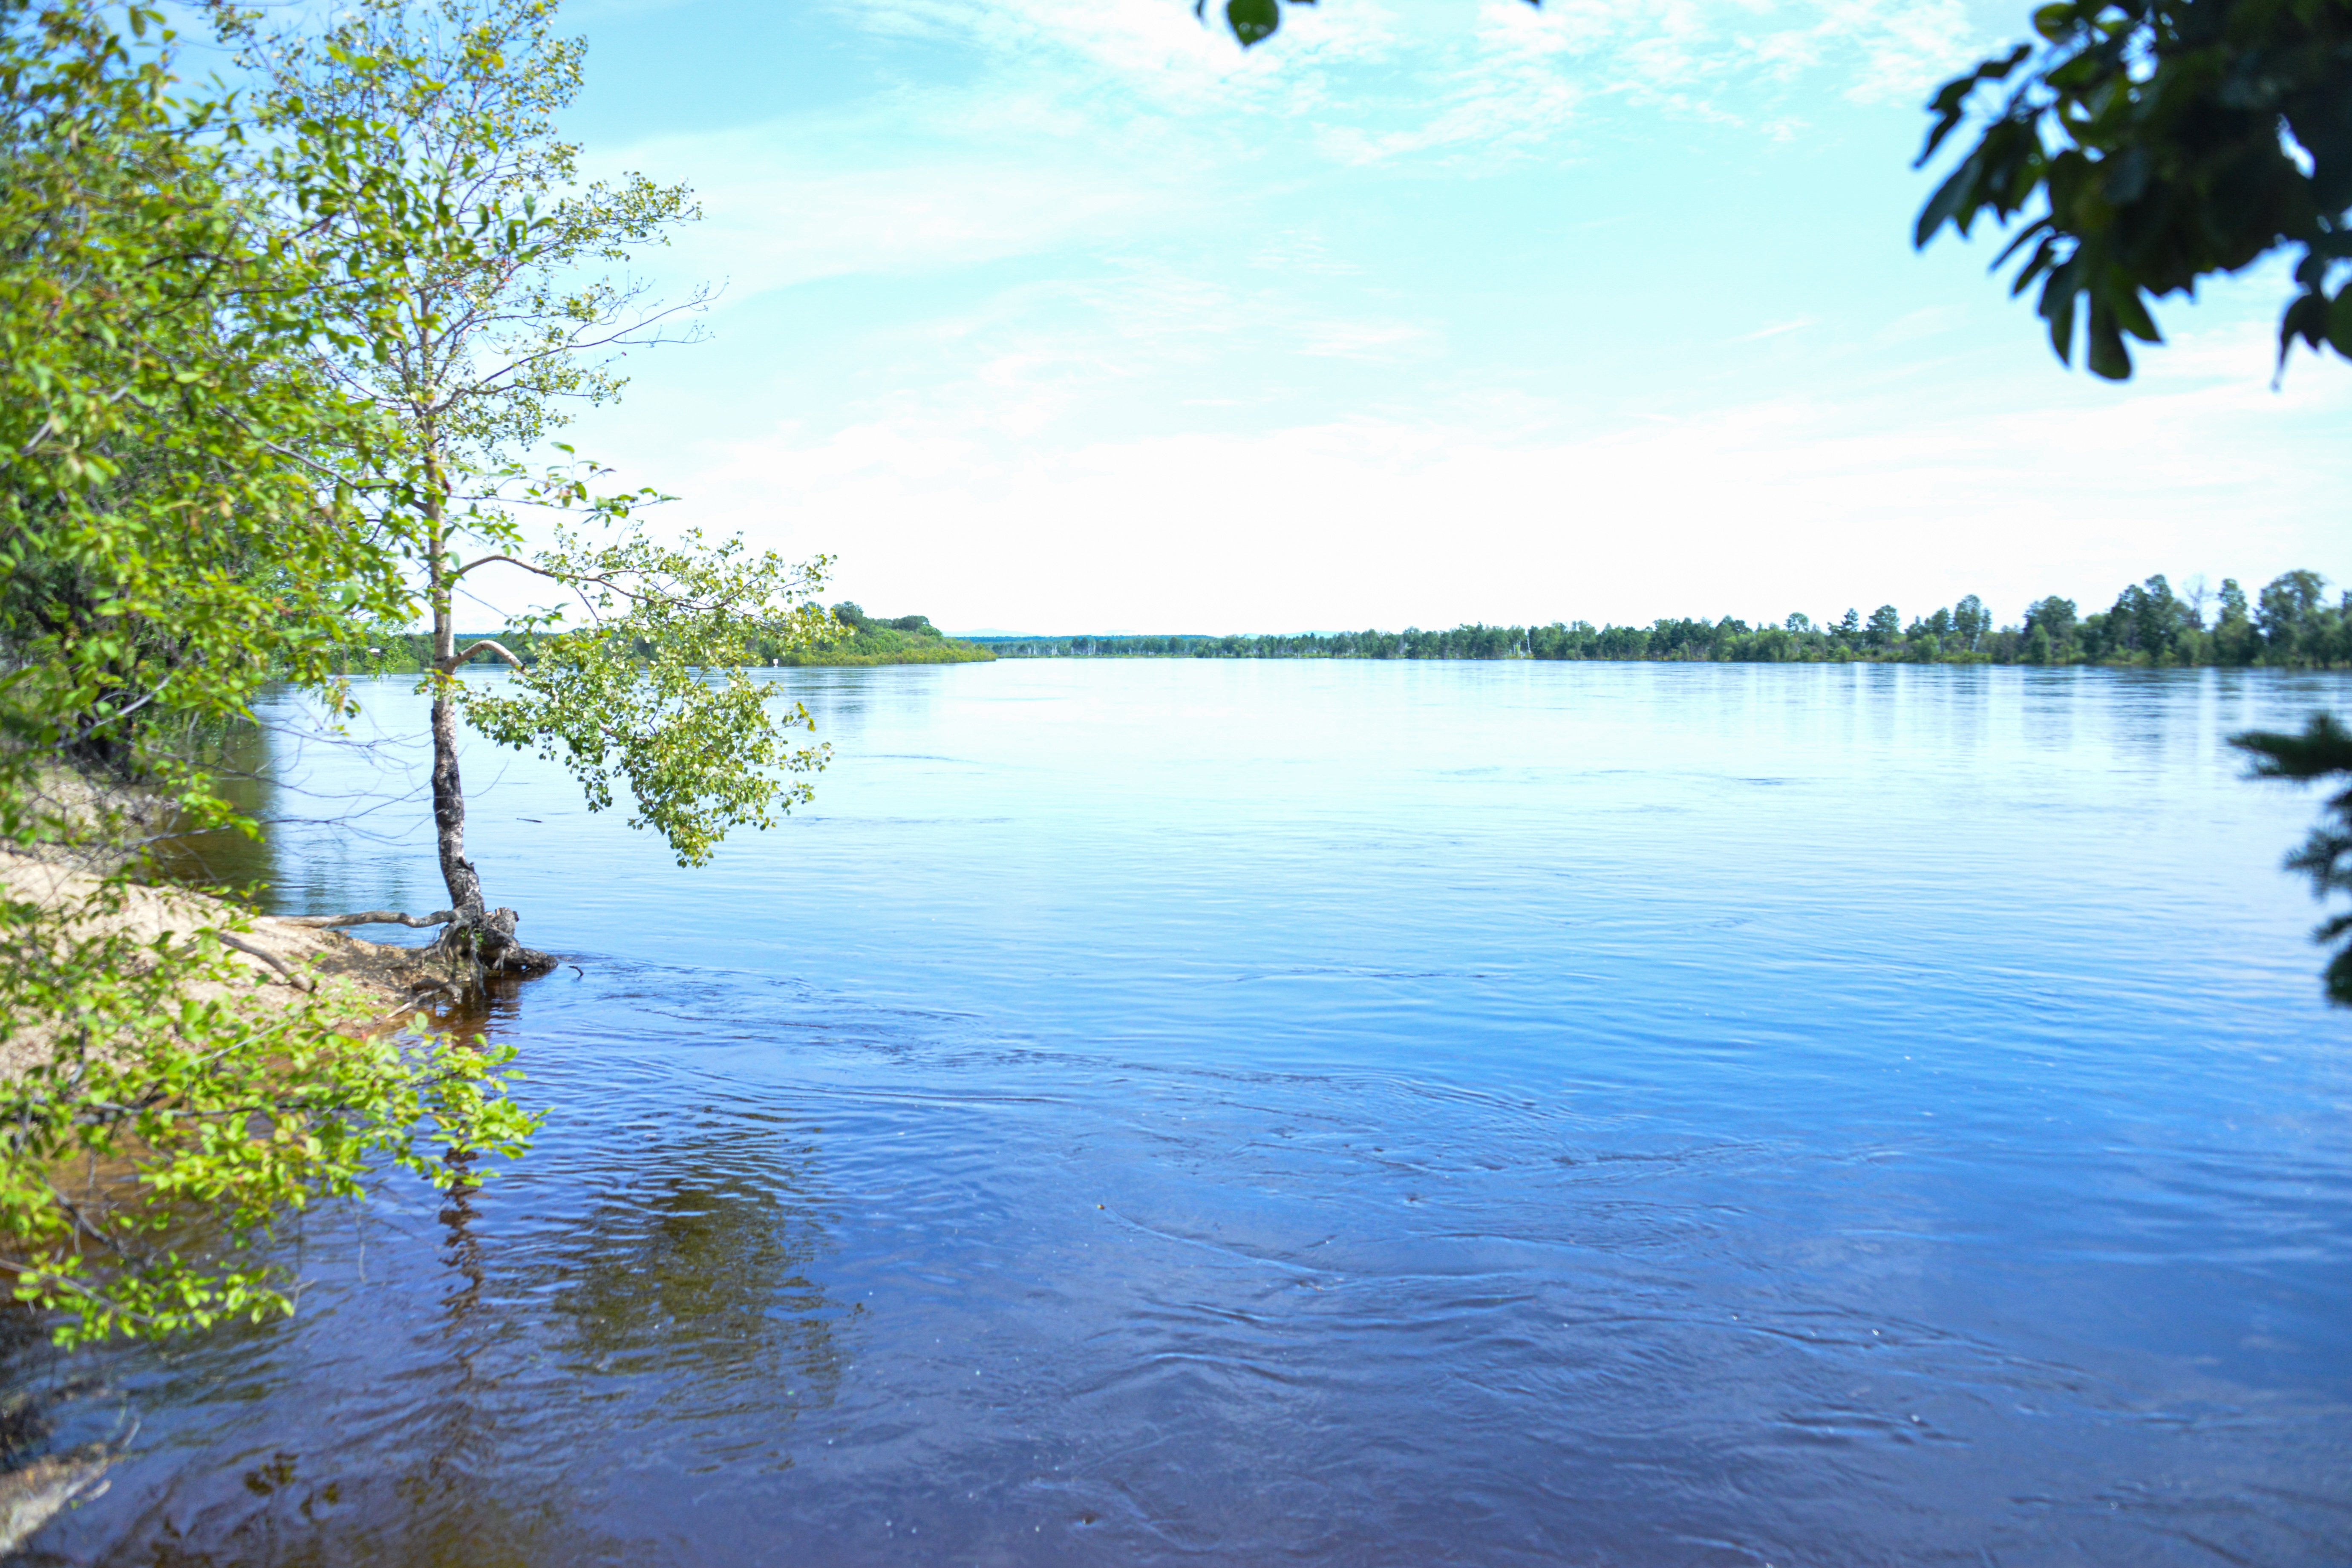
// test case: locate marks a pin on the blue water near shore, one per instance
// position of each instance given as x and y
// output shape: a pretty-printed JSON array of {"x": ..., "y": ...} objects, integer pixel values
[{"x": 1223, "y": 1112}]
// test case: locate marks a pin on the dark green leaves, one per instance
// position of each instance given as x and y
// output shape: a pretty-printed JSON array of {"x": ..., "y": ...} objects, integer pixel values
[
  {"x": 1950, "y": 103},
  {"x": 1253, "y": 20},
  {"x": 2165, "y": 140},
  {"x": 177, "y": 476},
  {"x": 2322, "y": 752}
]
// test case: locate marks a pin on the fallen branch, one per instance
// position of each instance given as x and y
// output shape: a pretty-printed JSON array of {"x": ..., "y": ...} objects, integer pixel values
[
  {"x": 367, "y": 918},
  {"x": 267, "y": 957}
]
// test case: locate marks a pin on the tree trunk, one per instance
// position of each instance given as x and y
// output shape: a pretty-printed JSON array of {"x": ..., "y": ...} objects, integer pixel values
[
  {"x": 457, "y": 873},
  {"x": 481, "y": 938}
]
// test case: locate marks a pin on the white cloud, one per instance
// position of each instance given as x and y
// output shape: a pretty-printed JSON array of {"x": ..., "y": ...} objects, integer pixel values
[
  {"x": 1129, "y": 120},
  {"x": 1888, "y": 491}
]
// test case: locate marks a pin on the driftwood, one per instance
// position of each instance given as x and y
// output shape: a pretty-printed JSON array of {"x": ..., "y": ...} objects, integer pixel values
[
  {"x": 476, "y": 942},
  {"x": 370, "y": 918},
  {"x": 485, "y": 939},
  {"x": 32, "y": 1494},
  {"x": 268, "y": 957},
  {"x": 31, "y": 1497}
]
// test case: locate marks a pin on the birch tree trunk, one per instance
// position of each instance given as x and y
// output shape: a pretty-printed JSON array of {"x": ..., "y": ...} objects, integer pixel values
[
  {"x": 457, "y": 873},
  {"x": 485, "y": 937}
]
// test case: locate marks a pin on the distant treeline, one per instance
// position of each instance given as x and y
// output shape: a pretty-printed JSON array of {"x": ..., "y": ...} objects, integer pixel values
[
  {"x": 909, "y": 640},
  {"x": 2291, "y": 626}
]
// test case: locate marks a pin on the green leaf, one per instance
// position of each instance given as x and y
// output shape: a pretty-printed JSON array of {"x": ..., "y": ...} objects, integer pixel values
[
  {"x": 2153, "y": 134},
  {"x": 1253, "y": 21},
  {"x": 2309, "y": 316},
  {"x": 2103, "y": 346},
  {"x": 2053, "y": 22}
]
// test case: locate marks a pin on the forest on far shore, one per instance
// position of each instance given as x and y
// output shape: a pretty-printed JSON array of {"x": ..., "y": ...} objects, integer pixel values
[
  {"x": 2291, "y": 624},
  {"x": 852, "y": 636}
]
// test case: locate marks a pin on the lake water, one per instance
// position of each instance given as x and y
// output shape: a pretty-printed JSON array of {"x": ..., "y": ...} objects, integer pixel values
[{"x": 1210, "y": 1112}]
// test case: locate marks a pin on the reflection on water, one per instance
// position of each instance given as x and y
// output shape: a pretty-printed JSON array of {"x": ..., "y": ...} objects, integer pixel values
[
  {"x": 1348, "y": 1113},
  {"x": 452, "y": 1349},
  {"x": 692, "y": 1297}
]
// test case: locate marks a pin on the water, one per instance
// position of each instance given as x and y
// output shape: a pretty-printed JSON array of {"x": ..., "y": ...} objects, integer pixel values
[{"x": 1347, "y": 1113}]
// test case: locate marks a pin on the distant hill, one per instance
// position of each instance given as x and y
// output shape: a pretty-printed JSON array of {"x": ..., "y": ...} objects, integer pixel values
[{"x": 909, "y": 640}]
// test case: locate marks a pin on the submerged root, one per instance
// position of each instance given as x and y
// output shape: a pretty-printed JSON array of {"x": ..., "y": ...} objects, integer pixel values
[{"x": 481, "y": 944}]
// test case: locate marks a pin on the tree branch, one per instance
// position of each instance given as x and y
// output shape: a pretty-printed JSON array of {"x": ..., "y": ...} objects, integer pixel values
[
  {"x": 463, "y": 654},
  {"x": 367, "y": 918},
  {"x": 272, "y": 959},
  {"x": 510, "y": 560}
]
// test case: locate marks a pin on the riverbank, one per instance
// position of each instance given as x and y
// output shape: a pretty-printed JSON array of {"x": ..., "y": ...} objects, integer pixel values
[
  {"x": 942, "y": 653},
  {"x": 367, "y": 986},
  {"x": 361, "y": 989}
]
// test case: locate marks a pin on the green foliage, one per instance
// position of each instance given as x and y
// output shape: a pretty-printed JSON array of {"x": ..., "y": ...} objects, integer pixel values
[
  {"x": 171, "y": 520},
  {"x": 419, "y": 146},
  {"x": 180, "y": 518},
  {"x": 1971, "y": 622},
  {"x": 855, "y": 637},
  {"x": 2164, "y": 141},
  {"x": 2150, "y": 624},
  {"x": 2323, "y": 751},
  {"x": 653, "y": 693},
  {"x": 162, "y": 1134},
  {"x": 1252, "y": 21}
]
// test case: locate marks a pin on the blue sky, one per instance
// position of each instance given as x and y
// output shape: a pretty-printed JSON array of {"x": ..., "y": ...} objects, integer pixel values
[{"x": 1075, "y": 317}]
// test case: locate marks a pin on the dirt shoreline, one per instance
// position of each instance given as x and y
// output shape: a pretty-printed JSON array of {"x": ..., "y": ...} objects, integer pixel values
[{"x": 372, "y": 986}]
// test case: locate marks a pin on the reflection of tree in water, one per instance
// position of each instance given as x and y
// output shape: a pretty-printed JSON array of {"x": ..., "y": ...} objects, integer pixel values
[
  {"x": 693, "y": 1292},
  {"x": 239, "y": 752},
  {"x": 675, "y": 1323},
  {"x": 438, "y": 1491},
  {"x": 336, "y": 805}
]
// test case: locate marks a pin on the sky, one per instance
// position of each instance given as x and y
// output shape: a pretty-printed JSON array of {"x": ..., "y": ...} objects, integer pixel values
[{"x": 1077, "y": 318}]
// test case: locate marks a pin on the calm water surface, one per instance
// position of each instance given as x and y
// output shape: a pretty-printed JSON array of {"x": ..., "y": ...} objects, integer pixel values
[{"x": 1346, "y": 1113}]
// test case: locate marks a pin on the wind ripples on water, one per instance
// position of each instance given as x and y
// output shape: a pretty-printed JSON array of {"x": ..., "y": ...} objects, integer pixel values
[{"x": 1476, "y": 1114}]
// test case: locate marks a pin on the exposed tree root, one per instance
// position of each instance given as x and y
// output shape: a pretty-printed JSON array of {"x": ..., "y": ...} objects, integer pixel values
[
  {"x": 484, "y": 942},
  {"x": 475, "y": 945}
]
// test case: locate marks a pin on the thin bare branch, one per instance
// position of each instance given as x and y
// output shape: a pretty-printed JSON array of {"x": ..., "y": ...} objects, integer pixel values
[
  {"x": 272, "y": 959},
  {"x": 367, "y": 918}
]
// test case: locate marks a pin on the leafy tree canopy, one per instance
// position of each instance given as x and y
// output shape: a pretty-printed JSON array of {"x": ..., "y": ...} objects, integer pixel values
[
  {"x": 2149, "y": 143},
  {"x": 178, "y": 524}
]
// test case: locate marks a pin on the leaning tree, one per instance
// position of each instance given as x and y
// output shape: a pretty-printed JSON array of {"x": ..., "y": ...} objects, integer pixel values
[
  {"x": 446, "y": 175},
  {"x": 173, "y": 534}
]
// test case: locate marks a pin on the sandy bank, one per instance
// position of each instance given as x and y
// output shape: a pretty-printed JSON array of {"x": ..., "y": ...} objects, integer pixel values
[{"x": 371, "y": 986}]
